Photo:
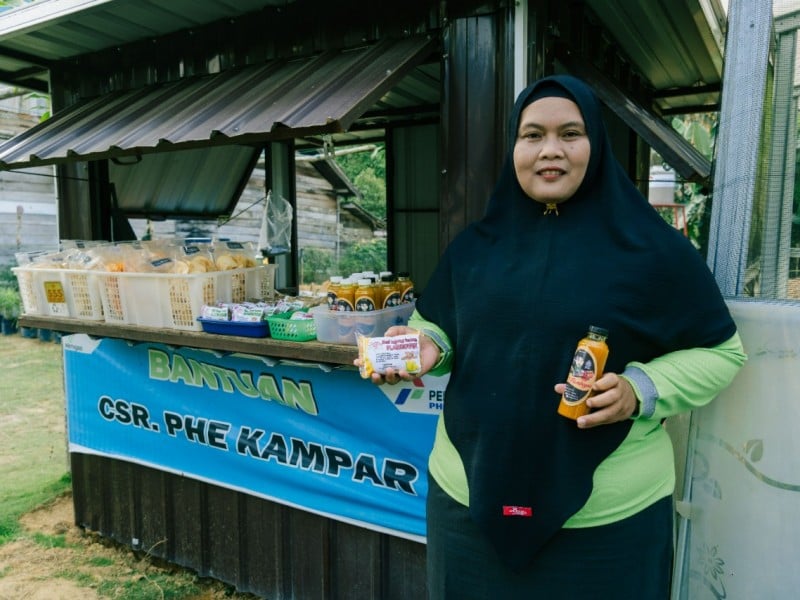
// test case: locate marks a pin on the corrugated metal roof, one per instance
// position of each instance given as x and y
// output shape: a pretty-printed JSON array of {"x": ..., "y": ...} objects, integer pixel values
[
  {"x": 676, "y": 44},
  {"x": 276, "y": 100},
  {"x": 35, "y": 35},
  {"x": 201, "y": 183}
]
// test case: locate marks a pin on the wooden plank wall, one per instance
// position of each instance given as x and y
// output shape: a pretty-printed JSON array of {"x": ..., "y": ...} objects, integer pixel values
[
  {"x": 31, "y": 190},
  {"x": 315, "y": 214},
  {"x": 258, "y": 546}
]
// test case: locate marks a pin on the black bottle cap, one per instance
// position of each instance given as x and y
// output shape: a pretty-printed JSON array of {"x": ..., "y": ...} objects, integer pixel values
[{"x": 598, "y": 330}]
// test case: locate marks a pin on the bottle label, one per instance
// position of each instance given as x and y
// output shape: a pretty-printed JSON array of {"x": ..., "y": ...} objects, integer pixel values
[
  {"x": 582, "y": 374},
  {"x": 365, "y": 303},
  {"x": 393, "y": 299},
  {"x": 407, "y": 295},
  {"x": 343, "y": 304},
  {"x": 332, "y": 300}
]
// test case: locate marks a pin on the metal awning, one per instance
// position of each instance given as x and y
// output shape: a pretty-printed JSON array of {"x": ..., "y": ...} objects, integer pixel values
[
  {"x": 673, "y": 148},
  {"x": 276, "y": 100}
]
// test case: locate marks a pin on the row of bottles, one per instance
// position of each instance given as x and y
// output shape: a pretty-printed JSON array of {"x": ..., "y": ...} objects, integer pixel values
[{"x": 368, "y": 291}]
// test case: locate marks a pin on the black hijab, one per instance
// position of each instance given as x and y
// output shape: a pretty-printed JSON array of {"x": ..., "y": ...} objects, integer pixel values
[{"x": 515, "y": 292}]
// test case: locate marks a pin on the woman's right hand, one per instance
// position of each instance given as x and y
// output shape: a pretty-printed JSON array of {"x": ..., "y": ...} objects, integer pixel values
[{"x": 428, "y": 355}]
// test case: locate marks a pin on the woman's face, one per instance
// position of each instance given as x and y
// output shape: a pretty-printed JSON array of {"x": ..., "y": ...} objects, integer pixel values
[{"x": 552, "y": 150}]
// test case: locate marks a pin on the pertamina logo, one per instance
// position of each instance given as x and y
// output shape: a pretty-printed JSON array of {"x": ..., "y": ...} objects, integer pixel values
[{"x": 423, "y": 395}]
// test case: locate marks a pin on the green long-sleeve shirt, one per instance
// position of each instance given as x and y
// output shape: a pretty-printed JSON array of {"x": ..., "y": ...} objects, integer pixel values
[{"x": 641, "y": 470}]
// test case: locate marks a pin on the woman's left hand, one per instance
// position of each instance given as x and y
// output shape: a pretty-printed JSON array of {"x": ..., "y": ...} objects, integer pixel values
[{"x": 613, "y": 400}]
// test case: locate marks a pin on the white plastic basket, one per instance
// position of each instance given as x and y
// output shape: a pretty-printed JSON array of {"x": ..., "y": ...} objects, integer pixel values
[
  {"x": 31, "y": 299},
  {"x": 175, "y": 301},
  {"x": 72, "y": 293}
]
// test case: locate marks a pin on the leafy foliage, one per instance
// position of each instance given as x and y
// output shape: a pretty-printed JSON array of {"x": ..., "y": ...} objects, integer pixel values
[
  {"x": 317, "y": 265},
  {"x": 700, "y": 130},
  {"x": 373, "y": 192},
  {"x": 8, "y": 279},
  {"x": 367, "y": 170},
  {"x": 364, "y": 256}
]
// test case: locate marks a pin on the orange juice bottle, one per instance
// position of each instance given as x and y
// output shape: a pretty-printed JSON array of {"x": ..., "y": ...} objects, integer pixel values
[
  {"x": 587, "y": 367},
  {"x": 390, "y": 294},
  {"x": 406, "y": 287},
  {"x": 346, "y": 296},
  {"x": 365, "y": 296},
  {"x": 333, "y": 291}
]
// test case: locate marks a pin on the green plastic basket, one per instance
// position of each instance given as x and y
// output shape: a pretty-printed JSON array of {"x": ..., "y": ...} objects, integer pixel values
[{"x": 281, "y": 327}]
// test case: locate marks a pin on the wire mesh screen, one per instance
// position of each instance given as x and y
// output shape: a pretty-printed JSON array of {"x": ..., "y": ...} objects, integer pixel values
[
  {"x": 772, "y": 267},
  {"x": 739, "y": 491}
]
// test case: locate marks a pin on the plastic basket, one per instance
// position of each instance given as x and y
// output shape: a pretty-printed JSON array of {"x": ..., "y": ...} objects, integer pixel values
[
  {"x": 83, "y": 295},
  {"x": 72, "y": 293},
  {"x": 341, "y": 327},
  {"x": 174, "y": 301},
  {"x": 241, "y": 328},
  {"x": 281, "y": 327},
  {"x": 31, "y": 300}
]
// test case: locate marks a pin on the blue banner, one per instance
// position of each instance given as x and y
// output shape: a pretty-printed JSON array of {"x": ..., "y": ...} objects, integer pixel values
[{"x": 303, "y": 434}]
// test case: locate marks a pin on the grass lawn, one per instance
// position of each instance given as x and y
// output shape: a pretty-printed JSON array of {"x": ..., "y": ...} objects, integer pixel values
[
  {"x": 45, "y": 555},
  {"x": 33, "y": 461}
]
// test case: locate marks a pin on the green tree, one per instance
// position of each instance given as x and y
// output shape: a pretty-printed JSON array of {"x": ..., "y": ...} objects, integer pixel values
[
  {"x": 373, "y": 158},
  {"x": 367, "y": 171},
  {"x": 316, "y": 265},
  {"x": 9, "y": 4},
  {"x": 700, "y": 130},
  {"x": 369, "y": 255},
  {"x": 373, "y": 192}
]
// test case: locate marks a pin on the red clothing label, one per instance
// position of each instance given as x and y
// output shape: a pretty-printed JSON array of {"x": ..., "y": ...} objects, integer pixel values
[{"x": 517, "y": 511}]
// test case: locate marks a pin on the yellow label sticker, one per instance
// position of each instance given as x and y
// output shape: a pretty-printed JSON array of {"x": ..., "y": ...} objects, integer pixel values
[{"x": 54, "y": 292}]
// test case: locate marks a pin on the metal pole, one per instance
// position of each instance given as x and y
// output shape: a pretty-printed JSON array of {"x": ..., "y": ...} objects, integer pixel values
[{"x": 744, "y": 83}]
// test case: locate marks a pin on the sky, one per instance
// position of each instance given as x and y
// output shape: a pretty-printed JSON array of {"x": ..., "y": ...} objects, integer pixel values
[{"x": 779, "y": 7}]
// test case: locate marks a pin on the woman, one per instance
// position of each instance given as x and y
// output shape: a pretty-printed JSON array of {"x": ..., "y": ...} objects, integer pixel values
[{"x": 522, "y": 502}]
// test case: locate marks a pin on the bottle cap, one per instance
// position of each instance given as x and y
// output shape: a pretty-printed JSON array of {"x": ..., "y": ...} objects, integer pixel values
[{"x": 598, "y": 330}]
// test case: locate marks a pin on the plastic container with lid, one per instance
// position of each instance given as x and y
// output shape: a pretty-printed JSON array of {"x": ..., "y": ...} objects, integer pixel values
[{"x": 335, "y": 327}]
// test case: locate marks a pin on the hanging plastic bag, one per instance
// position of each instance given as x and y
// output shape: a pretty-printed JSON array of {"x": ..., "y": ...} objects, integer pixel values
[{"x": 276, "y": 226}]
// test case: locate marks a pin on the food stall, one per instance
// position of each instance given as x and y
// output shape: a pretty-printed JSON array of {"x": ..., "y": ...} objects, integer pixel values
[{"x": 269, "y": 463}]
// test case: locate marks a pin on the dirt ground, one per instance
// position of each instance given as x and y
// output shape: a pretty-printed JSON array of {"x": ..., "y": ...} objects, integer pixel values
[{"x": 31, "y": 571}]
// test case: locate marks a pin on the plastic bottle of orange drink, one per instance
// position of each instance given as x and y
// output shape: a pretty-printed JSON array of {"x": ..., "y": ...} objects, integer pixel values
[
  {"x": 333, "y": 291},
  {"x": 365, "y": 293},
  {"x": 406, "y": 287},
  {"x": 587, "y": 367},
  {"x": 345, "y": 296}
]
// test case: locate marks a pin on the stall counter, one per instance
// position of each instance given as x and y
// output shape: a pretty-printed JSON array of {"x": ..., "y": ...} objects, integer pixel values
[
  {"x": 238, "y": 507},
  {"x": 338, "y": 354}
]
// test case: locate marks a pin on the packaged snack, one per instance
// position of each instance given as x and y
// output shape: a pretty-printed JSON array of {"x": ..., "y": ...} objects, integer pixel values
[
  {"x": 195, "y": 257},
  {"x": 234, "y": 255},
  {"x": 217, "y": 312},
  {"x": 247, "y": 312},
  {"x": 399, "y": 352}
]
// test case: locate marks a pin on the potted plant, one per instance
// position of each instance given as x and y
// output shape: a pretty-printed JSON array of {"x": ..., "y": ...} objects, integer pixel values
[{"x": 10, "y": 303}]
